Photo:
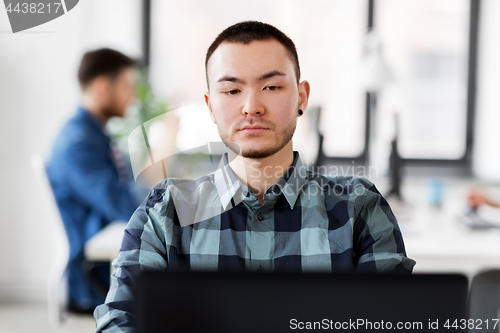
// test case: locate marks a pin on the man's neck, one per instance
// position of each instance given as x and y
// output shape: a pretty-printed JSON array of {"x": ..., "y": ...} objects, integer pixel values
[
  {"x": 260, "y": 174},
  {"x": 95, "y": 111}
]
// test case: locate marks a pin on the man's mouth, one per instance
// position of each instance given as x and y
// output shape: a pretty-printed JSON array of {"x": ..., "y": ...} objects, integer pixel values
[{"x": 253, "y": 129}]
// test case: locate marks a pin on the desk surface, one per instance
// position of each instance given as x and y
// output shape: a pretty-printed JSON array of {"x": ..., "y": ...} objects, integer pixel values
[
  {"x": 105, "y": 245},
  {"x": 440, "y": 243},
  {"x": 436, "y": 239}
]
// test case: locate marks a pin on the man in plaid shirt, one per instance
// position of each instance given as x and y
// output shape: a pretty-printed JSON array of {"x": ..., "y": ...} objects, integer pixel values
[{"x": 261, "y": 210}]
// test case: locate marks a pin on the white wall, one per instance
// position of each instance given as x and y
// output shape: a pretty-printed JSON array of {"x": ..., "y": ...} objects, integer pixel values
[
  {"x": 486, "y": 162},
  {"x": 38, "y": 92}
]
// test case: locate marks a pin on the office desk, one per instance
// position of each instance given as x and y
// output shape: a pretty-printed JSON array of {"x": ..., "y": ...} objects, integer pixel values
[
  {"x": 435, "y": 237},
  {"x": 105, "y": 245},
  {"x": 440, "y": 243}
]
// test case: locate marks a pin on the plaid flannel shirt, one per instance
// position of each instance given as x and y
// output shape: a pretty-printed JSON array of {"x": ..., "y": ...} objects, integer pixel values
[{"x": 308, "y": 223}]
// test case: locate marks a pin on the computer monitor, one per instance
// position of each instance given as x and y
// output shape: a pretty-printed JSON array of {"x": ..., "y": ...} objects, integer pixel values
[{"x": 267, "y": 302}]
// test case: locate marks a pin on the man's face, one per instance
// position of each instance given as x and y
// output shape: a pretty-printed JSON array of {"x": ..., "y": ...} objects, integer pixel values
[
  {"x": 121, "y": 92},
  {"x": 254, "y": 97}
]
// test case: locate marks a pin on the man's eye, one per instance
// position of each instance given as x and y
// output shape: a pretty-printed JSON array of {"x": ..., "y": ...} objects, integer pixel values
[
  {"x": 232, "y": 92},
  {"x": 272, "y": 88}
]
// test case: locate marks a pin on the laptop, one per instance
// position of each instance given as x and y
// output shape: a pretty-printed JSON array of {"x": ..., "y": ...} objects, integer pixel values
[{"x": 276, "y": 302}]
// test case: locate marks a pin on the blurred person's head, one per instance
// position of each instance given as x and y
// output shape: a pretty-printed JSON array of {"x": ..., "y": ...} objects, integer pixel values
[
  {"x": 254, "y": 95},
  {"x": 107, "y": 80}
]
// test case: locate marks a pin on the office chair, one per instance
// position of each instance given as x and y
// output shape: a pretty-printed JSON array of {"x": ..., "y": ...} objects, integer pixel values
[
  {"x": 484, "y": 301},
  {"x": 57, "y": 299}
]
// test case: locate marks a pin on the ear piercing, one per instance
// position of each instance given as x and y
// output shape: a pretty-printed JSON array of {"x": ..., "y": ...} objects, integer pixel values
[{"x": 300, "y": 112}]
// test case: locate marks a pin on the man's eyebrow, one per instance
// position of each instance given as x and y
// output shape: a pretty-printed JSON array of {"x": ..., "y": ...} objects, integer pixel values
[
  {"x": 230, "y": 79},
  {"x": 271, "y": 74},
  {"x": 262, "y": 78}
]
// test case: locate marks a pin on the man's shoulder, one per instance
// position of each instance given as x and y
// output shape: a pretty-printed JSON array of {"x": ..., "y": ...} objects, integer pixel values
[
  {"x": 163, "y": 191},
  {"x": 76, "y": 131},
  {"x": 340, "y": 184}
]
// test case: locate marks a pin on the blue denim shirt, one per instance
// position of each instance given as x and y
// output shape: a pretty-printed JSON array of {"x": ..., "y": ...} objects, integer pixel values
[{"x": 89, "y": 193}]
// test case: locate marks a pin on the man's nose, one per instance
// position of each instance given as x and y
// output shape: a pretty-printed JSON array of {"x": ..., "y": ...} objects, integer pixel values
[{"x": 253, "y": 105}]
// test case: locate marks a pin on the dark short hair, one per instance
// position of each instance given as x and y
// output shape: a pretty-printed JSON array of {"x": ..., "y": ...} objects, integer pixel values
[
  {"x": 102, "y": 62},
  {"x": 248, "y": 31}
]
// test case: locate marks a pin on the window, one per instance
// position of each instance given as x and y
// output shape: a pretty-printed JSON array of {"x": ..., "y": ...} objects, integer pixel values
[{"x": 426, "y": 44}]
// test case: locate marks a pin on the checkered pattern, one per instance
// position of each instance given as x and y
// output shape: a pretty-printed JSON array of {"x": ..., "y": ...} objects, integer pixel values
[{"x": 308, "y": 223}]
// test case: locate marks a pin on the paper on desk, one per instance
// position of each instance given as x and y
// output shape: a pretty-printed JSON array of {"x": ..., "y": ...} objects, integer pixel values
[{"x": 490, "y": 214}]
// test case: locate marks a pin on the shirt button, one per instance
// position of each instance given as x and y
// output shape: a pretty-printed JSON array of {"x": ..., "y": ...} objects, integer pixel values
[{"x": 260, "y": 216}]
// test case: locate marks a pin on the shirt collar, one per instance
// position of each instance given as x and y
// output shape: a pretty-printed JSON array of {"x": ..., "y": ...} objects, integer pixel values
[
  {"x": 94, "y": 122},
  {"x": 232, "y": 192},
  {"x": 291, "y": 183}
]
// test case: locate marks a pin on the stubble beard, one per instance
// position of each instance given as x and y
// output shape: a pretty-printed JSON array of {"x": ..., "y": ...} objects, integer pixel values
[
  {"x": 284, "y": 138},
  {"x": 113, "y": 109}
]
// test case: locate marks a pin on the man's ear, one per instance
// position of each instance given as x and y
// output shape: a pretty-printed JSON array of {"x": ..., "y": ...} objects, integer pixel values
[
  {"x": 304, "y": 89},
  {"x": 100, "y": 88},
  {"x": 209, "y": 105}
]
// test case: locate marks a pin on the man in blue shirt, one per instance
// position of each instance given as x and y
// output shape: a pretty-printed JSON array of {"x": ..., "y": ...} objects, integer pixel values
[
  {"x": 262, "y": 210},
  {"x": 91, "y": 183}
]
